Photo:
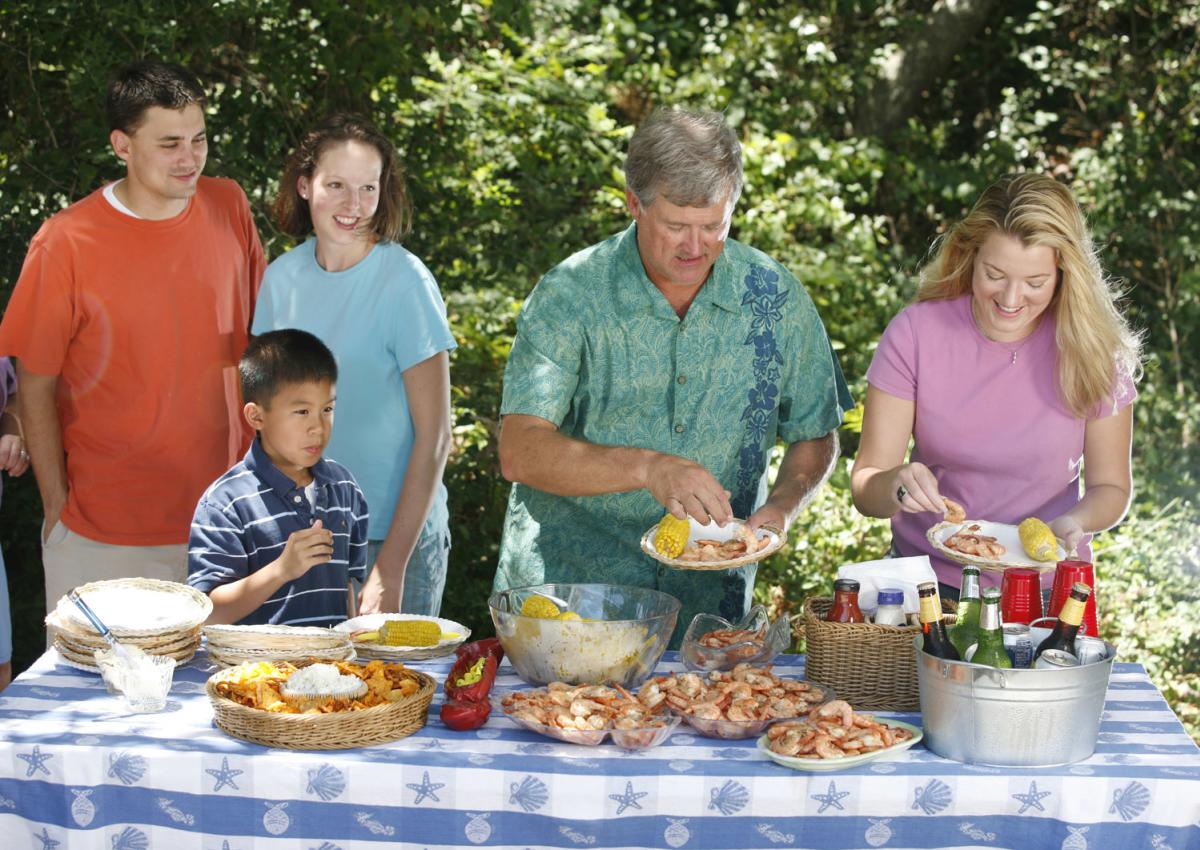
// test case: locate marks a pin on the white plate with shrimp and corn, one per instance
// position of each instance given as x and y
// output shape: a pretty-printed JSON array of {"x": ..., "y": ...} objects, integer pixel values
[
  {"x": 987, "y": 545},
  {"x": 709, "y": 546}
]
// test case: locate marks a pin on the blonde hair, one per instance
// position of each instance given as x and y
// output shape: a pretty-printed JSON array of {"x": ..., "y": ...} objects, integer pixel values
[{"x": 1097, "y": 349}]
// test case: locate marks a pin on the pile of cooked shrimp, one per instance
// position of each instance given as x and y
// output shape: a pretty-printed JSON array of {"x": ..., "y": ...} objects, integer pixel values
[
  {"x": 582, "y": 707},
  {"x": 743, "y": 694},
  {"x": 744, "y": 542},
  {"x": 969, "y": 541},
  {"x": 833, "y": 731}
]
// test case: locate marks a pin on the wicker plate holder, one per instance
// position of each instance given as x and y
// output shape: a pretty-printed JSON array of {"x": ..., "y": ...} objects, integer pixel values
[
  {"x": 338, "y": 730},
  {"x": 871, "y": 667}
]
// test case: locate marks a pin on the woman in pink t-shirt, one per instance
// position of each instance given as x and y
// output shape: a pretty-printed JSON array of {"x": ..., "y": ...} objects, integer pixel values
[{"x": 1012, "y": 373}]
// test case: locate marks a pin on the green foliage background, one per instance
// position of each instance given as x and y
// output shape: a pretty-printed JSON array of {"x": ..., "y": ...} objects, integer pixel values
[{"x": 512, "y": 119}]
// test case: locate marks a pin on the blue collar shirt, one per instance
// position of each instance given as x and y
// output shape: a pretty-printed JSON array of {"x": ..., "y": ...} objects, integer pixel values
[{"x": 244, "y": 520}]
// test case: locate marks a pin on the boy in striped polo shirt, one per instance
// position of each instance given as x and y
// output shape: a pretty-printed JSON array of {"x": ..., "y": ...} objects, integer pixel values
[{"x": 277, "y": 537}]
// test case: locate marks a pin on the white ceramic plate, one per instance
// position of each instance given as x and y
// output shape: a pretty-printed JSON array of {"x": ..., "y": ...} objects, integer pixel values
[
  {"x": 1007, "y": 535},
  {"x": 820, "y": 765},
  {"x": 712, "y": 531},
  {"x": 400, "y": 653}
]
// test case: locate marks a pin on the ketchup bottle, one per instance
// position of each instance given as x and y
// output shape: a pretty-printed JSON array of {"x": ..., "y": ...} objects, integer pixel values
[{"x": 845, "y": 603}]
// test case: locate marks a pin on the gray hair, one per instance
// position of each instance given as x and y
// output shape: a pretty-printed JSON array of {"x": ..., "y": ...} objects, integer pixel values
[{"x": 692, "y": 158}]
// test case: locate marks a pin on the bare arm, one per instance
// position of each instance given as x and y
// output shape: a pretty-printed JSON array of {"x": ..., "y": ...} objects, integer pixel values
[
  {"x": 427, "y": 386},
  {"x": 14, "y": 459},
  {"x": 805, "y": 467},
  {"x": 534, "y": 452},
  {"x": 43, "y": 439},
  {"x": 1107, "y": 475},
  {"x": 879, "y": 468}
]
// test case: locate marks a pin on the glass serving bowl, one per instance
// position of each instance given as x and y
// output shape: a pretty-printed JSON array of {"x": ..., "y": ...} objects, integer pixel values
[
  {"x": 614, "y": 633},
  {"x": 640, "y": 738},
  {"x": 776, "y": 638}
]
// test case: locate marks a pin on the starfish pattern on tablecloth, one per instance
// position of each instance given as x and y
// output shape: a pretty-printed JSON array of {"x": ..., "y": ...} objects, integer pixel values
[
  {"x": 426, "y": 789},
  {"x": 1032, "y": 799},
  {"x": 48, "y": 843},
  {"x": 224, "y": 776},
  {"x": 629, "y": 798},
  {"x": 832, "y": 797},
  {"x": 37, "y": 761}
]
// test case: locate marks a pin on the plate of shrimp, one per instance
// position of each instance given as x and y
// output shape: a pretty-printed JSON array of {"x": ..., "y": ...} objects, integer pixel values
[
  {"x": 711, "y": 547},
  {"x": 987, "y": 545},
  {"x": 835, "y": 737},
  {"x": 587, "y": 714}
]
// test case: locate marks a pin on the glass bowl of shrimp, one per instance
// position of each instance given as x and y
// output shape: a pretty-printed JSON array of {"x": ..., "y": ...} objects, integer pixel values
[
  {"x": 733, "y": 704},
  {"x": 714, "y": 643}
]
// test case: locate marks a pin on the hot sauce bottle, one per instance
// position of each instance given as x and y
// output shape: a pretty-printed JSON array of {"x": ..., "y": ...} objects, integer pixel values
[{"x": 845, "y": 603}]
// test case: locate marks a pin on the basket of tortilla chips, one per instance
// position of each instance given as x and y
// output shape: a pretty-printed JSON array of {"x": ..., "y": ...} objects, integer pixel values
[{"x": 317, "y": 705}]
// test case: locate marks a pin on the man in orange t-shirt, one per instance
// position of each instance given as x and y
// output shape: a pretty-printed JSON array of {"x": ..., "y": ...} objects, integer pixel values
[{"x": 131, "y": 311}]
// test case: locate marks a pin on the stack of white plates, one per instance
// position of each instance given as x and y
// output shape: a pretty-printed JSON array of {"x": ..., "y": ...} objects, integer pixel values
[
  {"x": 159, "y": 617},
  {"x": 231, "y": 645}
]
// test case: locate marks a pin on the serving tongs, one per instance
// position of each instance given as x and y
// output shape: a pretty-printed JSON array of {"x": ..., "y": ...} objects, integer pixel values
[{"x": 121, "y": 652}]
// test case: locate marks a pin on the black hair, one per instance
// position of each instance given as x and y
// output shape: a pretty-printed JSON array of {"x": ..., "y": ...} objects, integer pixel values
[
  {"x": 283, "y": 357},
  {"x": 137, "y": 87}
]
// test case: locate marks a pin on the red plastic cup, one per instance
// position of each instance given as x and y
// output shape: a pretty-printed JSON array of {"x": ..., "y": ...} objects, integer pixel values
[
  {"x": 1065, "y": 575},
  {"x": 1020, "y": 595}
]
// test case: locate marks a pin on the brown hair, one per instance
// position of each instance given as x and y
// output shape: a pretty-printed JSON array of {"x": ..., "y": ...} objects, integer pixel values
[
  {"x": 1096, "y": 346},
  {"x": 136, "y": 88},
  {"x": 393, "y": 217}
]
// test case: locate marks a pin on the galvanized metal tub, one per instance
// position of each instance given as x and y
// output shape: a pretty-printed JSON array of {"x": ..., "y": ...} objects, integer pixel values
[{"x": 1011, "y": 718}]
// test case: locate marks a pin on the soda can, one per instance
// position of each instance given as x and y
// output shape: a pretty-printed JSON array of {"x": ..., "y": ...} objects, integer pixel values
[
  {"x": 1065, "y": 575},
  {"x": 1055, "y": 659},
  {"x": 1018, "y": 644},
  {"x": 1090, "y": 649}
]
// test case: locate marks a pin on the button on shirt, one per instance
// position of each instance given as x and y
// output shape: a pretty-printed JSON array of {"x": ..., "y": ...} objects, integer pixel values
[
  {"x": 243, "y": 522},
  {"x": 601, "y": 354}
]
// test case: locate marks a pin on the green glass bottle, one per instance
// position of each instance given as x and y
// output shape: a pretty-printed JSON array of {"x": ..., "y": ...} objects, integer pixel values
[
  {"x": 965, "y": 630},
  {"x": 990, "y": 648}
]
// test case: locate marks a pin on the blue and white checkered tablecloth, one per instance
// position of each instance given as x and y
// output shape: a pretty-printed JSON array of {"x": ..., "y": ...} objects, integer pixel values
[{"x": 77, "y": 771}]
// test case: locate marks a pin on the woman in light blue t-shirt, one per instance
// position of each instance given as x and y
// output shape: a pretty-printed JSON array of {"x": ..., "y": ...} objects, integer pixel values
[{"x": 378, "y": 308}]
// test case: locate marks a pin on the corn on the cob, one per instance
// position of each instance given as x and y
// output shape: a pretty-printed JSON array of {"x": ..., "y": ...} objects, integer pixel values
[
  {"x": 1037, "y": 539},
  {"x": 404, "y": 633},
  {"x": 672, "y": 536},
  {"x": 540, "y": 607}
]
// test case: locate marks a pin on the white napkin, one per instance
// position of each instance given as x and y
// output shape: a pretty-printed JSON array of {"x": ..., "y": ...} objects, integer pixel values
[{"x": 901, "y": 573}]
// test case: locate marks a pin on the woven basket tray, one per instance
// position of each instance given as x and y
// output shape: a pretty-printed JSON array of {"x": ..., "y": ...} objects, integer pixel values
[
  {"x": 338, "y": 730},
  {"x": 871, "y": 667}
]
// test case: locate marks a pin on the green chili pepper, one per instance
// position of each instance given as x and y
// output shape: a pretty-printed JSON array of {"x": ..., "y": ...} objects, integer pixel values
[{"x": 473, "y": 675}]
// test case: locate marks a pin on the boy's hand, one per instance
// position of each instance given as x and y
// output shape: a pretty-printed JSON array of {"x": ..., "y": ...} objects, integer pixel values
[{"x": 305, "y": 549}]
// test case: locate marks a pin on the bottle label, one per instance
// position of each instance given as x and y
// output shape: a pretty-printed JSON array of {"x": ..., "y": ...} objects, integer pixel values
[
  {"x": 1072, "y": 611},
  {"x": 929, "y": 610}
]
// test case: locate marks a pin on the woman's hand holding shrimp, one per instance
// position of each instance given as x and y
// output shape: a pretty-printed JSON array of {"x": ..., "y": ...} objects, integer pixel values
[{"x": 916, "y": 489}]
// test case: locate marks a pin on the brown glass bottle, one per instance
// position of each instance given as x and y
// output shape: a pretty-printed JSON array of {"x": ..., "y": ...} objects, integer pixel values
[
  {"x": 1069, "y": 618},
  {"x": 937, "y": 642},
  {"x": 845, "y": 603}
]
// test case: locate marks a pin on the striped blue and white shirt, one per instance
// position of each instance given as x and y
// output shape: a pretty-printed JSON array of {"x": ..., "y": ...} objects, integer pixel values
[{"x": 243, "y": 522}]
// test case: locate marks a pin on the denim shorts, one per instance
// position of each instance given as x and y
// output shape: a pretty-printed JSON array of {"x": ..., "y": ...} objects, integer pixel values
[{"x": 425, "y": 575}]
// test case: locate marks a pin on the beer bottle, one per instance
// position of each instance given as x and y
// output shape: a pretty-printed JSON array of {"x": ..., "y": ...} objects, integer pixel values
[
  {"x": 965, "y": 630},
  {"x": 845, "y": 602},
  {"x": 990, "y": 648},
  {"x": 1069, "y": 618},
  {"x": 937, "y": 642}
]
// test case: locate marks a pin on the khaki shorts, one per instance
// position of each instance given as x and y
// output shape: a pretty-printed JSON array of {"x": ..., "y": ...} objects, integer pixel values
[{"x": 69, "y": 560}]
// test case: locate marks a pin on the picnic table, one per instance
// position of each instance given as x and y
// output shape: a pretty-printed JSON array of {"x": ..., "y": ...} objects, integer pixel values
[{"x": 78, "y": 771}]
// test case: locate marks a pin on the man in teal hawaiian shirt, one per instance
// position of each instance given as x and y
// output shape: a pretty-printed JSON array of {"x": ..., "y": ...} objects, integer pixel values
[{"x": 657, "y": 370}]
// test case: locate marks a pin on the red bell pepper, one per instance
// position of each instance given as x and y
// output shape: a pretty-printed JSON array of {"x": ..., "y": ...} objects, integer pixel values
[{"x": 467, "y": 705}]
